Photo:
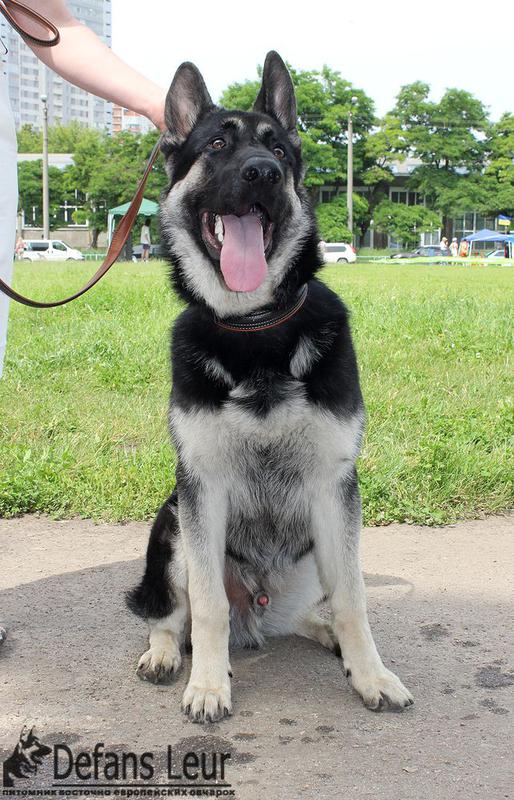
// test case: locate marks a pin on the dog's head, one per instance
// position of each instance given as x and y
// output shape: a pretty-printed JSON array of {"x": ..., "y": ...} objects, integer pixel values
[
  {"x": 27, "y": 756},
  {"x": 30, "y": 749},
  {"x": 235, "y": 219}
]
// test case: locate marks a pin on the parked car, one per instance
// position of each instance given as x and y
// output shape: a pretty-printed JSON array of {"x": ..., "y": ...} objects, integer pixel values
[
  {"x": 498, "y": 253},
  {"x": 338, "y": 253},
  {"x": 426, "y": 251},
  {"x": 137, "y": 250},
  {"x": 50, "y": 250}
]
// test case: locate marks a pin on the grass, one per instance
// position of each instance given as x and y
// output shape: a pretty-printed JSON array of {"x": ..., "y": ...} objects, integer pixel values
[
  {"x": 372, "y": 252},
  {"x": 84, "y": 395}
]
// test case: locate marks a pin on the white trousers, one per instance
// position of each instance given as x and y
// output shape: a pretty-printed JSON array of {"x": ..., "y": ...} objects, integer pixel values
[{"x": 8, "y": 204}]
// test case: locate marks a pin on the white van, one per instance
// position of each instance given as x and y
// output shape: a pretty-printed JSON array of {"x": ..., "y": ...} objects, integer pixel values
[
  {"x": 50, "y": 250},
  {"x": 337, "y": 253}
]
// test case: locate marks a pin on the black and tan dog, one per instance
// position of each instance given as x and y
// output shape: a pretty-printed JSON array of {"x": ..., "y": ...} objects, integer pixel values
[
  {"x": 266, "y": 411},
  {"x": 26, "y": 758}
]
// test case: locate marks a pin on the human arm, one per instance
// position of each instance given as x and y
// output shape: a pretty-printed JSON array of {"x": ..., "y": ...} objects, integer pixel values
[{"x": 84, "y": 60}]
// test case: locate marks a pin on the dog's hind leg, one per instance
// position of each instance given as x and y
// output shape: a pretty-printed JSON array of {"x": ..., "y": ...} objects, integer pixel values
[
  {"x": 319, "y": 630},
  {"x": 293, "y": 609},
  {"x": 161, "y": 597}
]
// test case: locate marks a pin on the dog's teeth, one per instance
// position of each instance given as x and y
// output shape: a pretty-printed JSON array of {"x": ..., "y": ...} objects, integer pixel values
[{"x": 218, "y": 229}]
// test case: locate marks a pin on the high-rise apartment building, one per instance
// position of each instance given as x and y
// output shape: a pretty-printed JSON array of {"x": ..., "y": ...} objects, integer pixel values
[{"x": 29, "y": 78}]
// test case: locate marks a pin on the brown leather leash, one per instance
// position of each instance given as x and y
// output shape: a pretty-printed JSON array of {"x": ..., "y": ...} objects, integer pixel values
[
  {"x": 122, "y": 232},
  {"x": 118, "y": 241},
  {"x": 35, "y": 17}
]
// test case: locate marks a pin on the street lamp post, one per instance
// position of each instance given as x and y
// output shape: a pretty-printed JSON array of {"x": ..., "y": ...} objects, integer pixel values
[
  {"x": 46, "y": 196},
  {"x": 349, "y": 168}
]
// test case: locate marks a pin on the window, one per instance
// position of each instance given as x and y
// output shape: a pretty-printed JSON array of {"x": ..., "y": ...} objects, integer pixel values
[
  {"x": 59, "y": 246},
  {"x": 415, "y": 199},
  {"x": 335, "y": 248},
  {"x": 39, "y": 247},
  {"x": 399, "y": 196}
]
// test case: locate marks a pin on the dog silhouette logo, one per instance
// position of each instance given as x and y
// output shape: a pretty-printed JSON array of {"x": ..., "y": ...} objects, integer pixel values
[{"x": 27, "y": 757}]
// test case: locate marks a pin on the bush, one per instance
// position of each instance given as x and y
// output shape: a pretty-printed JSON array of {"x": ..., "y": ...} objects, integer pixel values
[
  {"x": 405, "y": 223},
  {"x": 333, "y": 217}
]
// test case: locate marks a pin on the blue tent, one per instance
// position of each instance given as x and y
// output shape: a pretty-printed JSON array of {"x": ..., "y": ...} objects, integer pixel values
[
  {"x": 487, "y": 236},
  {"x": 493, "y": 236}
]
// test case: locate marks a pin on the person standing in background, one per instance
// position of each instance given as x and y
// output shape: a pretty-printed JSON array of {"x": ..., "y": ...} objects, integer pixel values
[
  {"x": 20, "y": 247},
  {"x": 83, "y": 59},
  {"x": 454, "y": 247},
  {"x": 145, "y": 240},
  {"x": 463, "y": 249}
]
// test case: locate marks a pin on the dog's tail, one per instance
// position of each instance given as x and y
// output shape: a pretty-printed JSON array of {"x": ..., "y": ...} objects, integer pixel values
[{"x": 154, "y": 597}]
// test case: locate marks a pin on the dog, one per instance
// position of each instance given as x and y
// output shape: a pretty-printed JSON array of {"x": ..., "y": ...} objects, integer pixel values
[
  {"x": 266, "y": 413},
  {"x": 26, "y": 758}
]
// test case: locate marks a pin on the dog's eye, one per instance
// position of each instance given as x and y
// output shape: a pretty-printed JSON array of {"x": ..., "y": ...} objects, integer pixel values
[
  {"x": 278, "y": 152},
  {"x": 218, "y": 143}
]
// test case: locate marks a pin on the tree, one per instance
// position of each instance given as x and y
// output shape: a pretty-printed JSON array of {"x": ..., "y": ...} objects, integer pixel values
[
  {"x": 498, "y": 180},
  {"x": 405, "y": 223},
  {"x": 333, "y": 217},
  {"x": 30, "y": 189},
  {"x": 449, "y": 139},
  {"x": 29, "y": 139},
  {"x": 66, "y": 138},
  {"x": 107, "y": 169},
  {"x": 377, "y": 174},
  {"x": 61, "y": 138}
]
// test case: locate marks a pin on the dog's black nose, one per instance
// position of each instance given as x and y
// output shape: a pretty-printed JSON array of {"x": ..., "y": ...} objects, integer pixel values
[{"x": 259, "y": 168}]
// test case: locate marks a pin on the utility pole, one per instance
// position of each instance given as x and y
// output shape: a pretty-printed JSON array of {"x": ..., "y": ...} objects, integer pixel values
[
  {"x": 46, "y": 196},
  {"x": 349, "y": 168}
]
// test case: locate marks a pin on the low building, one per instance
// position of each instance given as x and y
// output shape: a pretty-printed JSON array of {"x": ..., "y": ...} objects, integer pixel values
[{"x": 399, "y": 192}]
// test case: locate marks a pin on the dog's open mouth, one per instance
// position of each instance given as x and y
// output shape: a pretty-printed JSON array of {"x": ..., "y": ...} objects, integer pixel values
[{"x": 240, "y": 243}]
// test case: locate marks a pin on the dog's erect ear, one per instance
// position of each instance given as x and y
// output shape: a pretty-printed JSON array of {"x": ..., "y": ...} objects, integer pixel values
[
  {"x": 276, "y": 96},
  {"x": 186, "y": 102},
  {"x": 26, "y": 733}
]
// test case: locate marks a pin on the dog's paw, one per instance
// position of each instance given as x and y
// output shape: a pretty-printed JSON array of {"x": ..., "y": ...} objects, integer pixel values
[
  {"x": 207, "y": 704},
  {"x": 381, "y": 690},
  {"x": 159, "y": 665}
]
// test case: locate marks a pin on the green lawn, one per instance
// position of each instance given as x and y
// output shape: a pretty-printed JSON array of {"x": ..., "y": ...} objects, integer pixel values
[{"x": 84, "y": 394}]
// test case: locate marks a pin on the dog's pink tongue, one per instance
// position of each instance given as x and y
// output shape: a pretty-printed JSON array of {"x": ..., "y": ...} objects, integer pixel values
[{"x": 242, "y": 255}]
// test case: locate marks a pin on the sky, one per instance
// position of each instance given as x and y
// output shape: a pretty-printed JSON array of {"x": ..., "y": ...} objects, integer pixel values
[{"x": 378, "y": 46}]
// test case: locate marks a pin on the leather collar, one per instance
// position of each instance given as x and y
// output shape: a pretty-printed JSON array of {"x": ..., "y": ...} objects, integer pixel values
[{"x": 264, "y": 318}]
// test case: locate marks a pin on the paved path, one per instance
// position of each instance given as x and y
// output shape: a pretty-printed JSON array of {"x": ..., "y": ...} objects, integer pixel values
[{"x": 439, "y": 604}]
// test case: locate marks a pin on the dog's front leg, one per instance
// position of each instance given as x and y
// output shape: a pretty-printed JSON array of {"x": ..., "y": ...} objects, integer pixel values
[
  {"x": 202, "y": 517},
  {"x": 336, "y": 524}
]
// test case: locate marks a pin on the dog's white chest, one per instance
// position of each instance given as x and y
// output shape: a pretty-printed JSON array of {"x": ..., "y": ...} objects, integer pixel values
[{"x": 295, "y": 436}]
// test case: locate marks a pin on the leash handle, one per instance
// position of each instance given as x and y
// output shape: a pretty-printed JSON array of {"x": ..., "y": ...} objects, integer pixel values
[
  {"x": 118, "y": 240},
  {"x": 33, "y": 15}
]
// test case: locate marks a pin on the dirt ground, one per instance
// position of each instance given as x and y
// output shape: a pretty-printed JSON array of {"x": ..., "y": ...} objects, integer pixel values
[{"x": 440, "y": 605}]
